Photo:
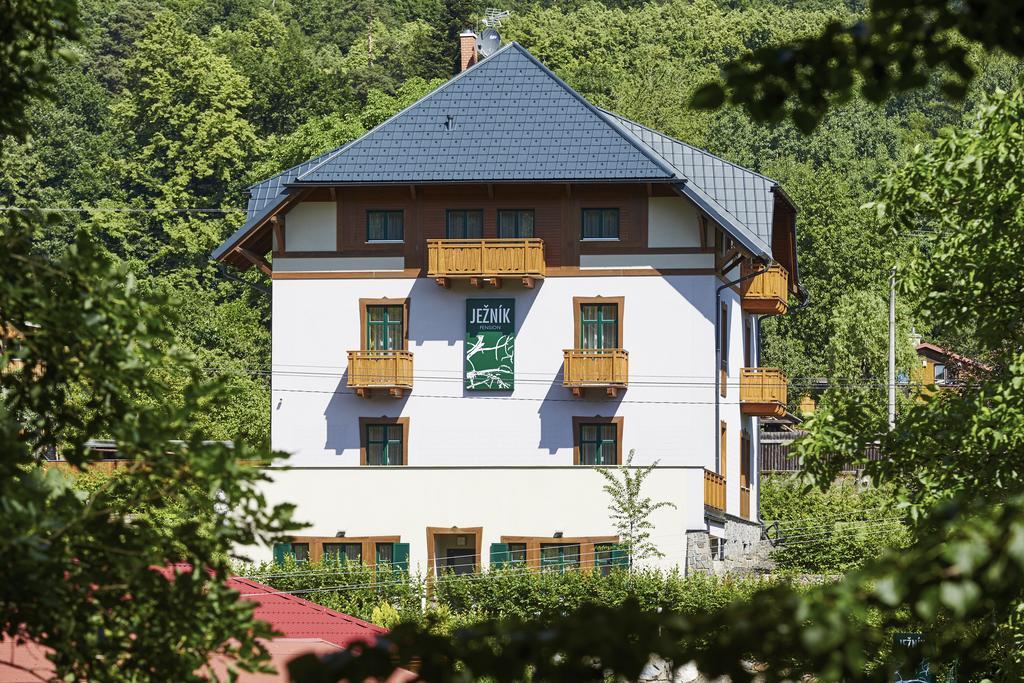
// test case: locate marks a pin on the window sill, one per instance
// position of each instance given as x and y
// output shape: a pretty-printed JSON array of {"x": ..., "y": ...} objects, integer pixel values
[
  {"x": 385, "y": 241},
  {"x": 600, "y": 239}
]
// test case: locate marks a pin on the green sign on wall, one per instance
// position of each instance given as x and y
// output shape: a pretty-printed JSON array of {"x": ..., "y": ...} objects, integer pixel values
[{"x": 490, "y": 344}]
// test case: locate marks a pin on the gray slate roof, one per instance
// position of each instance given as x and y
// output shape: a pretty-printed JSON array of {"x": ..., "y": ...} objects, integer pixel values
[
  {"x": 510, "y": 118},
  {"x": 744, "y": 196},
  {"x": 513, "y": 119}
]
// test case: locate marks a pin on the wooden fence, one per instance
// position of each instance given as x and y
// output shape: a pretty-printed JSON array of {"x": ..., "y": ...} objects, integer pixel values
[{"x": 774, "y": 456}]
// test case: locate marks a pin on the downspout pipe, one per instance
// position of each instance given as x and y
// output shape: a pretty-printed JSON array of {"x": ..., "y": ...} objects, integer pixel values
[{"x": 718, "y": 354}]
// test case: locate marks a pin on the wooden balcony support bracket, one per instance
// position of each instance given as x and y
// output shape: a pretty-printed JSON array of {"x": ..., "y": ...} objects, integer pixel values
[
  {"x": 443, "y": 282},
  {"x": 256, "y": 260},
  {"x": 493, "y": 282},
  {"x": 528, "y": 282},
  {"x": 476, "y": 282}
]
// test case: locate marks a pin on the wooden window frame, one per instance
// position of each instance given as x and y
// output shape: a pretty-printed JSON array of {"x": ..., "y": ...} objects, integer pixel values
[
  {"x": 723, "y": 351},
  {"x": 477, "y": 532},
  {"x": 618, "y": 224},
  {"x": 746, "y": 459},
  {"x": 400, "y": 212},
  {"x": 365, "y": 422},
  {"x": 497, "y": 222},
  {"x": 364, "y": 316},
  {"x": 579, "y": 421},
  {"x": 369, "y": 543},
  {"x": 447, "y": 222},
  {"x": 586, "y": 544},
  {"x": 723, "y": 449},
  {"x": 578, "y": 302}
]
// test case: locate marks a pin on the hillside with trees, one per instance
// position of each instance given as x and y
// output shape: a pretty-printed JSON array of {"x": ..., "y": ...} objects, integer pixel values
[{"x": 168, "y": 110}]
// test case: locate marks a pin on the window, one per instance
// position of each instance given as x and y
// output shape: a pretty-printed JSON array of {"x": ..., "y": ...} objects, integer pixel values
[
  {"x": 516, "y": 223},
  {"x": 463, "y": 223},
  {"x": 517, "y": 553},
  {"x": 723, "y": 325},
  {"x": 600, "y": 224},
  {"x": 384, "y": 443},
  {"x": 598, "y": 441},
  {"x": 385, "y": 553},
  {"x": 599, "y": 326},
  {"x": 344, "y": 552},
  {"x": 301, "y": 552},
  {"x": 384, "y": 226},
  {"x": 723, "y": 449},
  {"x": 748, "y": 344},
  {"x": 604, "y": 558},
  {"x": 717, "y": 548},
  {"x": 598, "y": 321},
  {"x": 559, "y": 557},
  {"x": 385, "y": 327},
  {"x": 745, "y": 460},
  {"x": 940, "y": 373}
]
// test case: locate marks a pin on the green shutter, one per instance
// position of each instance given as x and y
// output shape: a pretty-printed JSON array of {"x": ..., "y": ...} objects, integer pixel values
[
  {"x": 499, "y": 555},
  {"x": 400, "y": 556},
  {"x": 281, "y": 551},
  {"x": 620, "y": 558}
]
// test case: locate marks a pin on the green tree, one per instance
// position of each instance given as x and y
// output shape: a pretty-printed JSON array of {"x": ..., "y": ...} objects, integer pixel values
[{"x": 630, "y": 511}]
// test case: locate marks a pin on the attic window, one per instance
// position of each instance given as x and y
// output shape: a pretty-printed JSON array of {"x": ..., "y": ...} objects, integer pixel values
[{"x": 449, "y": 123}]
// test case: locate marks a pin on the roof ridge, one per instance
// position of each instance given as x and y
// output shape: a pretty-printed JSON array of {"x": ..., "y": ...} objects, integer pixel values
[
  {"x": 352, "y": 143},
  {"x": 699, "y": 150}
]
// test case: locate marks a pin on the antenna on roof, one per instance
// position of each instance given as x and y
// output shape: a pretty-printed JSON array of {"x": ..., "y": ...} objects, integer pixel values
[
  {"x": 488, "y": 42},
  {"x": 493, "y": 17}
]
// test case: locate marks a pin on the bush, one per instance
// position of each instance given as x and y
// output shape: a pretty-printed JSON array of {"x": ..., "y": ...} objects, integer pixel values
[{"x": 832, "y": 531}]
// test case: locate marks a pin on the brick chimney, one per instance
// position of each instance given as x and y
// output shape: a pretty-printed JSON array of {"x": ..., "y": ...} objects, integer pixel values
[{"x": 467, "y": 50}]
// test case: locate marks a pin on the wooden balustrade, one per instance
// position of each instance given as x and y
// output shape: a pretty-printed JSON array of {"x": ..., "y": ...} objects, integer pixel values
[
  {"x": 766, "y": 293},
  {"x": 485, "y": 261},
  {"x": 763, "y": 392},
  {"x": 391, "y": 370},
  {"x": 714, "y": 490},
  {"x": 602, "y": 368},
  {"x": 745, "y": 502}
]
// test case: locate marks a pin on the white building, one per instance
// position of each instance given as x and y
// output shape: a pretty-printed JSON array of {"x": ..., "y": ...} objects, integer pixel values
[{"x": 494, "y": 291}]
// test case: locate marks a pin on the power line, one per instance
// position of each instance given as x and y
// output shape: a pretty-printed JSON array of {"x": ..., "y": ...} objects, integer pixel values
[{"x": 102, "y": 209}]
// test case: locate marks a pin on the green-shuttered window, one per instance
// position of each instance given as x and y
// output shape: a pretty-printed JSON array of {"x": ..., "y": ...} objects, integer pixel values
[
  {"x": 599, "y": 443},
  {"x": 344, "y": 552},
  {"x": 599, "y": 326},
  {"x": 384, "y": 444},
  {"x": 385, "y": 554},
  {"x": 301, "y": 552},
  {"x": 515, "y": 223},
  {"x": 517, "y": 553},
  {"x": 384, "y": 328},
  {"x": 559, "y": 557},
  {"x": 385, "y": 226},
  {"x": 464, "y": 224},
  {"x": 600, "y": 224}
]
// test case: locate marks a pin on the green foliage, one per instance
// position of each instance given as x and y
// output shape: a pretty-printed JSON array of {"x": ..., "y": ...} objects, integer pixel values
[
  {"x": 348, "y": 587},
  {"x": 830, "y": 531},
  {"x": 30, "y": 33},
  {"x": 631, "y": 513},
  {"x": 897, "y": 47}
]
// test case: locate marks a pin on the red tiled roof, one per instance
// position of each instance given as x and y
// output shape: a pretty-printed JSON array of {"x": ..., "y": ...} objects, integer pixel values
[{"x": 293, "y": 617}]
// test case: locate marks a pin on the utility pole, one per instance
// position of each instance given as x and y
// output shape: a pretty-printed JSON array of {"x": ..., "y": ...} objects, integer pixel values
[{"x": 892, "y": 348}]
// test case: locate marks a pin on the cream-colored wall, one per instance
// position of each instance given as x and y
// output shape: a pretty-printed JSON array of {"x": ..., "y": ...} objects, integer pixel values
[
  {"x": 659, "y": 261},
  {"x": 285, "y": 264},
  {"x": 312, "y": 226},
  {"x": 672, "y": 222}
]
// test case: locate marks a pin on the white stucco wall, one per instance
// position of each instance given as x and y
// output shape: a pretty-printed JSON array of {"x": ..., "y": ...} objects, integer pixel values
[
  {"x": 672, "y": 222},
  {"x": 515, "y": 501},
  {"x": 500, "y": 460},
  {"x": 311, "y": 226}
]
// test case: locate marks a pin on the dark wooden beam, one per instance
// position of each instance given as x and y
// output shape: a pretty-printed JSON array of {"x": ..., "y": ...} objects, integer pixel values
[
  {"x": 277, "y": 223},
  {"x": 256, "y": 260}
]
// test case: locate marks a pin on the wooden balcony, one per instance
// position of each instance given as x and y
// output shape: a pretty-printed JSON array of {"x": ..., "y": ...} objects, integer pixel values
[
  {"x": 606, "y": 369},
  {"x": 485, "y": 261},
  {"x": 714, "y": 490},
  {"x": 767, "y": 293},
  {"x": 745, "y": 502},
  {"x": 390, "y": 370},
  {"x": 763, "y": 392}
]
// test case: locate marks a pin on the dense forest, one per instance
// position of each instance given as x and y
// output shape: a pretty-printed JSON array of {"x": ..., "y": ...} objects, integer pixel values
[{"x": 169, "y": 109}]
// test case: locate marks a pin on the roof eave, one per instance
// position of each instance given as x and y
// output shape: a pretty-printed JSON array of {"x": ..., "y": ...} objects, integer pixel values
[{"x": 738, "y": 232}]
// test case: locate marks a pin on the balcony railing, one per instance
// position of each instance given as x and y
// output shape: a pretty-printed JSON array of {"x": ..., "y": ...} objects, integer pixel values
[
  {"x": 601, "y": 368},
  {"x": 766, "y": 293},
  {"x": 714, "y": 490},
  {"x": 763, "y": 392},
  {"x": 485, "y": 260},
  {"x": 391, "y": 370},
  {"x": 745, "y": 502}
]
